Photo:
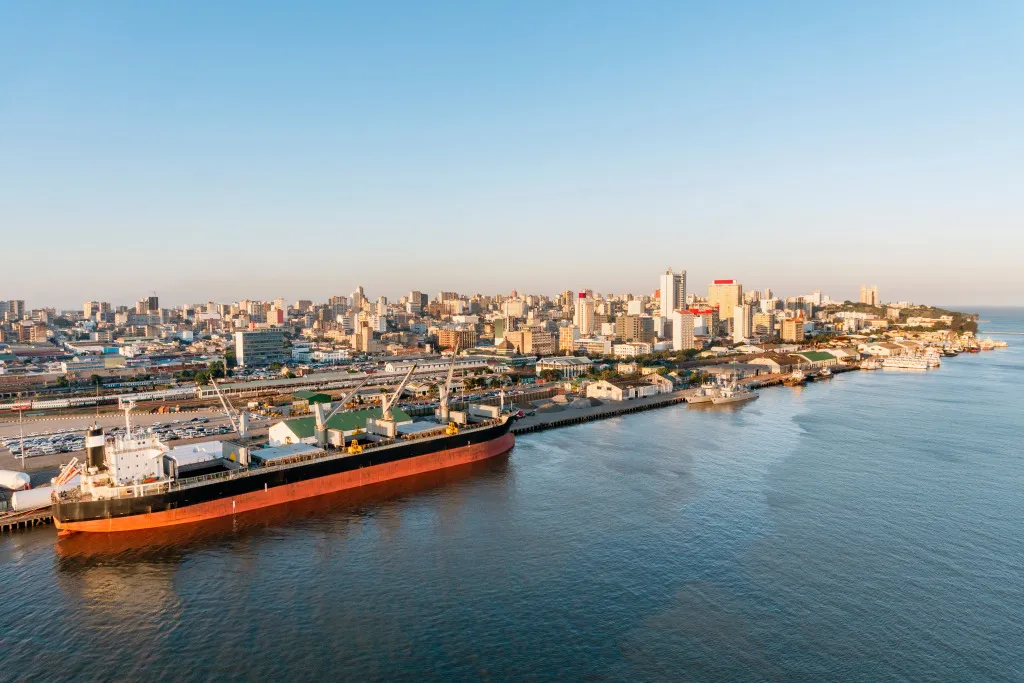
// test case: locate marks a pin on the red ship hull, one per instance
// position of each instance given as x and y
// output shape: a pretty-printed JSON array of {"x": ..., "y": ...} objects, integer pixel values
[{"x": 300, "y": 490}]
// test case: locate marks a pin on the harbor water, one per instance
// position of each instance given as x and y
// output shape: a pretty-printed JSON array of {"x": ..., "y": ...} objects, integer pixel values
[{"x": 867, "y": 528}]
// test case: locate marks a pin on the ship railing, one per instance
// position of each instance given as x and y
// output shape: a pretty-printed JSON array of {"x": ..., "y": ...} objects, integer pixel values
[{"x": 134, "y": 490}]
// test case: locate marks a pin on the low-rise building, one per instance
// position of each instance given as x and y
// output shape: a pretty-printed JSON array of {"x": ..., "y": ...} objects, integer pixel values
[
  {"x": 631, "y": 350},
  {"x": 628, "y": 389},
  {"x": 818, "y": 359},
  {"x": 570, "y": 367}
]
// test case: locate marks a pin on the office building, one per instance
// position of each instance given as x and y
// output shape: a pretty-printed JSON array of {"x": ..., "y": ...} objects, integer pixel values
[
  {"x": 568, "y": 335},
  {"x": 869, "y": 295},
  {"x": 742, "y": 322},
  {"x": 259, "y": 347},
  {"x": 672, "y": 292},
  {"x": 634, "y": 328},
  {"x": 584, "y": 317},
  {"x": 793, "y": 329},
  {"x": 462, "y": 337},
  {"x": 725, "y": 294},
  {"x": 764, "y": 325},
  {"x": 682, "y": 330}
]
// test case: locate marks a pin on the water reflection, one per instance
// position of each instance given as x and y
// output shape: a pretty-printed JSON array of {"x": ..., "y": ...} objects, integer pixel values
[{"x": 170, "y": 545}]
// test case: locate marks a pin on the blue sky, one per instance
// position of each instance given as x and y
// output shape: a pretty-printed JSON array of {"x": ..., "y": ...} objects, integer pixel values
[{"x": 243, "y": 149}]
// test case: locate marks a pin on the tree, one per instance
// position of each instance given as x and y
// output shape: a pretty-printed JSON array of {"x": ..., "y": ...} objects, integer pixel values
[
  {"x": 202, "y": 377},
  {"x": 550, "y": 375},
  {"x": 217, "y": 369},
  {"x": 275, "y": 366},
  {"x": 96, "y": 381},
  {"x": 63, "y": 382},
  {"x": 230, "y": 358}
]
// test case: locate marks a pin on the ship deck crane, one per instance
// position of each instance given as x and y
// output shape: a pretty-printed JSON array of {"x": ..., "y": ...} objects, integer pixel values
[
  {"x": 442, "y": 411},
  {"x": 321, "y": 419},
  {"x": 241, "y": 427},
  {"x": 386, "y": 413}
]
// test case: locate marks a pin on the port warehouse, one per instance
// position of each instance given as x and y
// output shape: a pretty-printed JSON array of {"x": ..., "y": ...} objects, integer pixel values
[{"x": 323, "y": 380}]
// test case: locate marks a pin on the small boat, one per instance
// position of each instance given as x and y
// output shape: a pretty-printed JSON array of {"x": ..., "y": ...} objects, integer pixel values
[
  {"x": 795, "y": 379},
  {"x": 734, "y": 394},
  {"x": 823, "y": 374}
]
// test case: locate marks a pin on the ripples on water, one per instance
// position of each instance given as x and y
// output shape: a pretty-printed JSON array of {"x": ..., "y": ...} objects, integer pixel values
[{"x": 868, "y": 528}]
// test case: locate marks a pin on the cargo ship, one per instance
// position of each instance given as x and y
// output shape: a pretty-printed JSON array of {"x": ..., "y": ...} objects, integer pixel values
[{"x": 135, "y": 482}]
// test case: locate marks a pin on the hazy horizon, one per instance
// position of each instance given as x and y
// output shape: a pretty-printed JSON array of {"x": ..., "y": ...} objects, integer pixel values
[{"x": 226, "y": 151}]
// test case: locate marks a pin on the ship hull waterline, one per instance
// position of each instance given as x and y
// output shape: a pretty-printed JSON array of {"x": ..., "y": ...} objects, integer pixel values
[{"x": 279, "y": 495}]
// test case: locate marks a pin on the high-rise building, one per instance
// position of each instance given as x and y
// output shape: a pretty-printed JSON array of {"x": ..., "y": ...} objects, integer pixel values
[
  {"x": 764, "y": 325},
  {"x": 682, "y": 330},
  {"x": 259, "y": 347},
  {"x": 869, "y": 295},
  {"x": 793, "y": 329},
  {"x": 464, "y": 337},
  {"x": 672, "y": 292},
  {"x": 584, "y": 318},
  {"x": 634, "y": 328},
  {"x": 16, "y": 309},
  {"x": 568, "y": 335},
  {"x": 725, "y": 294},
  {"x": 90, "y": 309},
  {"x": 532, "y": 342},
  {"x": 742, "y": 322},
  {"x": 707, "y": 320},
  {"x": 358, "y": 298}
]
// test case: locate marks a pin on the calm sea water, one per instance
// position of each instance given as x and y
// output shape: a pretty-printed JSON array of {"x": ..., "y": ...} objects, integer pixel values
[{"x": 869, "y": 528}]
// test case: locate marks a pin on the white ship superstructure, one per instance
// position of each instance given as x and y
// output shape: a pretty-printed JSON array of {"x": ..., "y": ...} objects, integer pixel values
[
  {"x": 906, "y": 363},
  {"x": 734, "y": 393}
]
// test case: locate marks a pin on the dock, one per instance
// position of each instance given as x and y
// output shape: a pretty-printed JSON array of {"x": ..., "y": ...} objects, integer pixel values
[
  {"x": 574, "y": 416},
  {"x": 12, "y": 521}
]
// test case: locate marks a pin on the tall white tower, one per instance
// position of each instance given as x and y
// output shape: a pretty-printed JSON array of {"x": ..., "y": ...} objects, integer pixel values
[{"x": 672, "y": 290}]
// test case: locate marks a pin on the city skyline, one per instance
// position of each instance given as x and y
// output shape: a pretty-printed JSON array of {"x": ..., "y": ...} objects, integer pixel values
[
  {"x": 210, "y": 152},
  {"x": 129, "y": 298}
]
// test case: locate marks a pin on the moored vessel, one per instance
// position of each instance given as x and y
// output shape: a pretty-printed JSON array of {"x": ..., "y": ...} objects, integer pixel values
[
  {"x": 705, "y": 394},
  {"x": 795, "y": 378},
  {"x": 136, "y": 482},
  {"x": 905, "y": 363},
  {"x": 735, "y": 393}
]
